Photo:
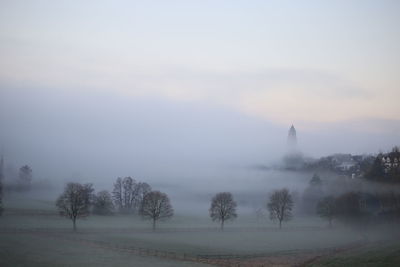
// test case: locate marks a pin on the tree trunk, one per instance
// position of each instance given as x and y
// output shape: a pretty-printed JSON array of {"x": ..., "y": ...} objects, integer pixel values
[
  {"x": 154, "y": 224},
  {"x": 280, "y": 224},
  {"x": 74, "y": 223},
  {"x": 330, "y": 223},
  {"x": 222, "y": 225}
]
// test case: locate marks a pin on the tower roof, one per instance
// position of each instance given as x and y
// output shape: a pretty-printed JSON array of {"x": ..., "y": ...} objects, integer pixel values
[
  {"x": 292, "y": 139},
  {"x": 292, "y": 130}
]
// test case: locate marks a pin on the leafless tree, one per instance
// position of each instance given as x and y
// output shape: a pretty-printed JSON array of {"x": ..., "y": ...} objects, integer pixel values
[
  {"x": 128, "y": 194},
  {"x": 117, "y": 194},
  {"x": 223, "y": 208},
  {"x": 312, "y": 194},
  {"x": 128, "y": 185},
  {"x": 280, "y": 206},
  {"x": 123, "y": 194},
  {"x": 156, "y": 206},
  {"x": 25, "y": 177},
  {"x": 141, "y": 189},
  {"x": 75, "y": 201},
  {"x": 102, "y": 203},
  {"x": 326, "y": 208}
]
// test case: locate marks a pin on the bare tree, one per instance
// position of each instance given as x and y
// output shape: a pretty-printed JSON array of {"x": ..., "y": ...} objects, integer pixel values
[
  {"x": 102, "y": 204},
  {"x": 312, "y": 194},
  {"x": 117, "y": 194},
  {"x": 141, "y": 189},
  {"x": 124, "y": 194},
  {"x": 280, "y": 206},
  {"x": 326, "y": 208},
  {"x": 128, "y": 194},
  {"x": 156, "y": 206},
  {"x": 128, "y": 185},
  {"x": 223, "y": 208},
  {"x": 75, "y": 201},
  {"x": 25, "y": 177}
]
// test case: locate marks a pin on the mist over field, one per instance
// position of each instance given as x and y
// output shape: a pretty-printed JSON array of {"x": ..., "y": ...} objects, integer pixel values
[
  {"x": 199, "y": 133},
  {"x": 188, "y": 150}
]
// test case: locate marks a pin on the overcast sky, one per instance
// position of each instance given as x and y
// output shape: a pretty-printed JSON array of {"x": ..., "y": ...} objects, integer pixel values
[{"x": 329, "y": 67}]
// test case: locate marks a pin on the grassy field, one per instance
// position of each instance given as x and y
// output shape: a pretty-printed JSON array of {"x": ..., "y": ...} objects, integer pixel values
[
  {"x": 381, "y": 254},
  {"x": 32, "y": 234},
  {"x": 37, "y": 250}
]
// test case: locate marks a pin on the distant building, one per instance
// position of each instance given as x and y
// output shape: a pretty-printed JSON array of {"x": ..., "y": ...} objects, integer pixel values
[
  {"x": 390, "y": 163},
  {"x": 343, "y": 162},
  {"x": 292, "y": 139},
  {"x": 293, "y": 159}
]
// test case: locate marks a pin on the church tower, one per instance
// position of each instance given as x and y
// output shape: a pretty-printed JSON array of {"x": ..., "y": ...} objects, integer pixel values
[{"x": 292, "y": 139}]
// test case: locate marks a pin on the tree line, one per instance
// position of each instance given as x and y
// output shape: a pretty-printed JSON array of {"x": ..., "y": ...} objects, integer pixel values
[
  {"x": 128, "y": 196},
  {"x": 350, "y": 201},
  {"x": 133, "y": 197}
]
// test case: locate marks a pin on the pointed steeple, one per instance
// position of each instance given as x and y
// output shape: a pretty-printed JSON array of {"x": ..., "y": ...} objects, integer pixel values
[{"x": 292, "y": 138}]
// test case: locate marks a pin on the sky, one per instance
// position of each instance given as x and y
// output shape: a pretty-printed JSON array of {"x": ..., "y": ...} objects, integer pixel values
[{"x": 231, "y": 76}]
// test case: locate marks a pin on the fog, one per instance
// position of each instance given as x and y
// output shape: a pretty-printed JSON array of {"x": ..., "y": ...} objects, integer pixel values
[
  {"x": 190, "y": 150},
  {"x": 194, "y": 101}
]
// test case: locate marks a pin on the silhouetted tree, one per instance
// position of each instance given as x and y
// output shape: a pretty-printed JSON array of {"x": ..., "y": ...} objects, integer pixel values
[
  {"x": 280, "y": 206},
  {"x": 102, "y": 203},
  {"x": 128, "y": 185},
  {"x": 128, "y": 194},
  {"x": 124, "y": 194},
  {"x": 156, "y": 206},
  {"x": 312, "y": 194},
  {"x": 326, "y": 208},
  {"x": 75, "y": 201},
  {"x": 349, "y": 208},
  {"x": 117, "y": 194},
  {"x": 25, "y": 177},
  {"x": 223, "y": 208},
  {"x": 141, "y": 189}
]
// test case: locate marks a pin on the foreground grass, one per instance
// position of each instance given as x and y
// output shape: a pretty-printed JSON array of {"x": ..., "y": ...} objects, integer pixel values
[
  {"x": 229, "y": 242},
  {"x": 34, "y": 235},
  {"x": 27, "y": 250},
  {"x": 378, "y": 254}
]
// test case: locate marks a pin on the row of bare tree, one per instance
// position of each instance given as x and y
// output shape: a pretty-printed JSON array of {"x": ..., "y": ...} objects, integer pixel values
[
  {"x": 78, "y": 200},
  {"x": 280, "y": 206},
  {"x": 128, "y": 194}
]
